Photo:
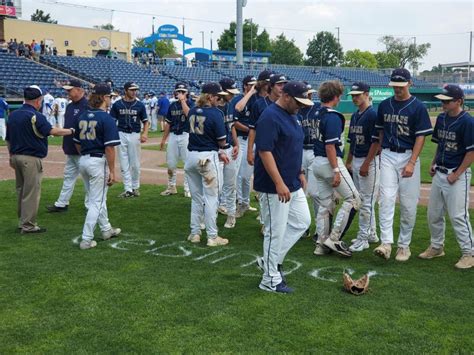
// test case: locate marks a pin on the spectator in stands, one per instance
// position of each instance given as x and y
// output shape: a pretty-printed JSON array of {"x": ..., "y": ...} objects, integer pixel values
[
  {"x": 13, "y": 47},
  {"x": 115, "y": 53},
  {"x": 36, "y": 50},
  {"x": 43, "y": 48},
  {"x": 21, "y": 49},
  {"x": 3, "y": 116},
  {"x": 28, "y": 52},
  {"x": 3, "y": 46},
  {"x": 32, "y": 44},
  {"x": 55, "y": 51}
]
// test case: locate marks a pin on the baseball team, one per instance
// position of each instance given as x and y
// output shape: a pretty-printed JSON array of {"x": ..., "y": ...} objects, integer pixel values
[{"x": 293, "y": 147}]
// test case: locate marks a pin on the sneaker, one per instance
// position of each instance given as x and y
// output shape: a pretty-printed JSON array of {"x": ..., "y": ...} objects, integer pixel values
[
  {"x": 230, "y": 223},
  {"x": 306, "y": 234},
  {"x": 431, "y": 253},
  {"x": 338, "y": 246},
  {"x": 373, "y": 239},
  {"x": 384, "y": 251},
  {"x": 136, "y": 192},
  {"x": 359, "y": 245},
  {"x": 217, "y": 241},
  {"x": 321, "y": 250},
  {"x": 170, "y": 190},
  {"x": 194, "y": 238},
  {"x": 466, "y": 262},
  {"x": 403, "y": 254},
  {"x": 187, "y": 194},
  {"x": 112, "y": 232},
  {"x": 87, "y": 244},
  {"x": 282, "y": 287},
  {"x": 241, "y": 209},
  {"x": 36, "y": 230},
  {"x": 126, "y": 194},
  {"x": 55, "y": 208},
  {"x": 222, "y": 210}
]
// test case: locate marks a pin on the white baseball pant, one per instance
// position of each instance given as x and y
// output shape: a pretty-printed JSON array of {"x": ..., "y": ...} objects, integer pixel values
[
  {"x": 60, "y": 120},
  {"x": 229, "y": 175},
  {"x": 52, "y": 120},
  {"x": 453, "y": 199},
  {"x": 95, "y": 172},
  {"x": 368, "y": 187},
  {"x": 154, "y": 120},
  {"x": 244, "y": 175},
  {"x": 324, "y": 174},
  {"x": 284, "y": 224},
  {"x": 177, "y": 149},
  {"x": 312, "y": 187},
  {"x": 3, "y": 129},
  {"x": 202, "y": 169},
  {"x": 408, "y": 190},
  {"x": 129, "y": 155},
  {"x": 71, "y": 172}
]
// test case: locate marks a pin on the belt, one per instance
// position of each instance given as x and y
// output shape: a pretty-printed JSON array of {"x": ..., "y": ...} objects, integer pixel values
[
  {"x": 308, "y": 146},
  {"x": 444, "y": 170},
  {"x": 398, "y": 149},
  {"x": 244, "y": 137},
  {"x": 177, "y": 134},
  {"x": 127, "y": 131},
  {"x": 96, "y": 155}
]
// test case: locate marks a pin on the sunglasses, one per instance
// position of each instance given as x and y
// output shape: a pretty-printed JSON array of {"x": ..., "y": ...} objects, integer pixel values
[{"x": 447, "y": 101}]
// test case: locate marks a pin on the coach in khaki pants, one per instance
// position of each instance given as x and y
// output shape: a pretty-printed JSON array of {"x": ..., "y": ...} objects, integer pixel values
[{"x": 27, "y": 137}]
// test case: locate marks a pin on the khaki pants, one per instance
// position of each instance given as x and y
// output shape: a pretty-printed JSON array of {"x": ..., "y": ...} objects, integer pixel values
[{"x": 28, "y": 173}]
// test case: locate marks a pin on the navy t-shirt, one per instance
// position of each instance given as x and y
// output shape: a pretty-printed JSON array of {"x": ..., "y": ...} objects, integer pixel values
[
  {"x": 402, "y": 122},
  {"x": 95, "y": 130},
  {"x": 307, "y": 116},
  {"x": 242, "y": 117},
  {"x": 228, "y": 121},
  {"x": 176, "y": 118},
  {"x": 164, "y": 105},
  {"x": 455, "y": 137},
  {"x": 73, "y": 111},
  {"x": 257, "y": 109},
  {"x": 329, "y": 125},
  {"x": 129, "y": 114},
  {"x": 281, "y": 134},
  {"x": 206, "y": 128},
  {"x": 362, "y": 132},
  {"x": 27, "y": 132}
]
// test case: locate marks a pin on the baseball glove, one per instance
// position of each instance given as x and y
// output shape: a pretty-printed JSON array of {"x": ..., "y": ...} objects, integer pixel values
[{"x": 357, "y": 287}]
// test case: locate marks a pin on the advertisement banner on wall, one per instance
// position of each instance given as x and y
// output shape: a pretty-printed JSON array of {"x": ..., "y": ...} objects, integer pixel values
[
  {"x": 7, "y": 11},
  {"x": 379, "y": 94}
]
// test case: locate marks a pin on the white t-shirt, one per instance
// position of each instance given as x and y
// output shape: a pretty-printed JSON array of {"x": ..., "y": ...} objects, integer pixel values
[
  {"x": 61, "y": 104},
  {"x": 153, "y": 102},
  {"x": 48, "y": 102}
]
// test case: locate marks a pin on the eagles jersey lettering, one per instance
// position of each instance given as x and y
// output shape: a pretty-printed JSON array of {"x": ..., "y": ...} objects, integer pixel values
[
  {"x": 228, "y": 121},
  {"x": 176, "y": 118},
  {"x": 307, "y": 115},
  {"x": 129, "y": 115}
]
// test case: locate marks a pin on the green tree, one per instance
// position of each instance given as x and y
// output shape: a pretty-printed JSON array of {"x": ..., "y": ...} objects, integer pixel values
[
  {"x": 387, "y": 60},
  {"x": 40, "y": 16},
  {"x": 323, "y": 50},
  {"x": 360, "y": 59},
  {"x": 263, "y": 43},
  {"x": 107, "y": 27},
  {"x": 406, "y": 51},
  {"x": 162, "y": 47},
  {"x": 252, "y": 40},
  {"x": 284, "y": 51}
]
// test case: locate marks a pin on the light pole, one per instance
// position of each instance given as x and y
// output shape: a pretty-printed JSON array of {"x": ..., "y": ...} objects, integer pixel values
[
  {"x": 415, "y": 64},
  {"x": 339, "y": 43},
  {"x": 321, "y": 63},
  {"x": 153, "y": 25},
  {"x": 211, "y": 39},
  {"x": 202, "y": 33}
]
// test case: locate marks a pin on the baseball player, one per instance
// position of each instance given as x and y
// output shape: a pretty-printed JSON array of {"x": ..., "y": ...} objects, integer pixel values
[
  {"x": 96, "y": 136},
  {"x": 147, "y": 102},
  {"x": 177, "y": 128},
  {"x": 331, "y": 173},
  {"x": 229, "y": 170},
  {"x": 451, "y": 171},
  {"x": 207, "y": 141},
  {"x": 154, "y": 112},
  {"x": 403, "y": 123},
  {"x": 363, "y": 164},
  {"x": 130, "y": 113},
  {"x": 241, "y": 124},
  {"x": 74, "y": 110},
  {"x": 48, "y": 112},
  {"x": 280, "y": 182},
  {"x": 3, "y": 115},
  {"x": 163, "y": 107},
  {"x": 59, "y": 105}
]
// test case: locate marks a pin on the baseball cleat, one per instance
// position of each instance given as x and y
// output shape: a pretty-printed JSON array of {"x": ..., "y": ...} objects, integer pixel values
[
  {"x": 126, "y": 194},
  {"x": 260, "y": 263},
  {"x": 252, "y": 209},
  {"x": 431, "y": 253},
  {"x": 112, "y": 232},
  {"x": 338, "y": 246},
  {"x": 87, "y": 244},
  {"x": 321, "y": 250},
  {"x": 55, "y": 208},
  {"x": 136, "y": 192},
  {"x": 222, "y": 210},
  {"x": 36, "y": 230},
  {"x": 282, "y": 287},
  {"x": 217, "y": 241},
  {"x": 170, "y": 190},
  {"x": 187, "y": 194},
  {"x": 384, "y": 251},
  {"x": 373, "y": 239},
  {"x": 230, "y": 223},
  {"x": 359, "y": 245},
  {"x": 403, "y": 254},
  {"x": 466, "y": 262},
  {"x": 194, "y": 238}
]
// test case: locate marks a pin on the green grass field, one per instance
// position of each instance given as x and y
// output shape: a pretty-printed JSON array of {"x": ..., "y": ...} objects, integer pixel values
[{"x": 150, "y": 291}]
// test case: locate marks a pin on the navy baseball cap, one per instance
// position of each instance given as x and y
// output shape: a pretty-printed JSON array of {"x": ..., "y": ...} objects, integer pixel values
[
  {"x": 358, "y": 88},
  {"x": 451, "y": 92},
  {"x": 32, "y": 92},
  {"x": 73, "y": 83},
  {"x": 181, "y": 87},
  {"x": 277, "y": 79},
  {"x": 249, "y": 80},
  {"x": 212, "y": 88},
  {"x": 229, "y": 85},
  {"x": 264, "y": 75},
  {"x": 101, "y": 89},
  {"x": 130, "y": 86},
  {"x": 298, "y": 91},
  {"x": 309, "y": 87},
  {"x": 400, "y": 77}
]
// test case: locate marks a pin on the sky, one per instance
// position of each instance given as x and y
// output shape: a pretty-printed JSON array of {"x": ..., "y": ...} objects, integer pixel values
[{"x": 443, "y": 24}]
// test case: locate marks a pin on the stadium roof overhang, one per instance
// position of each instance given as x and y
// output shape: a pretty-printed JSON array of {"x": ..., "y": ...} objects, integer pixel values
[{"x": 458, "y": 65}]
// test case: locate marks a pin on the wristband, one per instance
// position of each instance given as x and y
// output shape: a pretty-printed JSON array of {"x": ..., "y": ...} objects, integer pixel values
[
  {"x": 72, "y": 131},
  {"x": 336, "y": 170},
  {"x": 302, "y": 172}
]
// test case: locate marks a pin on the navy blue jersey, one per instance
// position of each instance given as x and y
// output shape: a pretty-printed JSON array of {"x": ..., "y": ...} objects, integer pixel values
[
  {"x": 242, "y": 117},
  {"x": 27, "y": 132},
  {"x": 176, "y": 118},
  {"x": 206, "y": 128},
  {"x": 73, "y": 111},
  {"x": 228, "y": 121},
  {"x": 455, "y": 137},
  {"x": 402, "y": 122},
  {"x": 257, "y": 109},
  {"x": 129, "y": 114},
  {"x": 95, "y": 130},
  {"x": 362, "y": 132},
  {"x": 281, "y": 134},
  {"x": 307, "y": 116},
  {"x": 328, "y": 128}
]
